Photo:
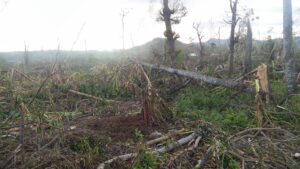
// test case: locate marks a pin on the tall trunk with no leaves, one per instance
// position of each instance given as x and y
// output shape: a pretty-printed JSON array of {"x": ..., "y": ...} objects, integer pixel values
[
  {"x": 200, "y": 45},
  {"x": 248, "y": 50},
  {"x": 233, "y": 7},
  {"x": 288, "y": 53},
  {"x": 169, "y": 33},
  {"x": 196, "y": 26}
]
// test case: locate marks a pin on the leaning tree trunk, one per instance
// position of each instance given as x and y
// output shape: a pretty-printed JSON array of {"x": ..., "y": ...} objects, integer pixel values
[
  {"x": 288, "y": 53},
  {"x": 248, "y": 50},
  {"x": 233, "y": 7},
  {"x": 169, "y": 33}
]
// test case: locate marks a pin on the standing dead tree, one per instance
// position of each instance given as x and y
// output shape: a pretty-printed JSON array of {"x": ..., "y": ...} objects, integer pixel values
[
  {"x": 123, "y": 15},
  {"x": 288, "y": 53},
  {"x": 171, "y": 16},
  {"x": 196, "y": 26},
  {"x": 26, "y": 58},
  {"x": 248, "y": 50},
  {"x": 233, "y": 23}
]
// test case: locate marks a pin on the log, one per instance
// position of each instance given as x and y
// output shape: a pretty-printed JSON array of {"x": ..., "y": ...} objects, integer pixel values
[{"x": 204, "y": 78}]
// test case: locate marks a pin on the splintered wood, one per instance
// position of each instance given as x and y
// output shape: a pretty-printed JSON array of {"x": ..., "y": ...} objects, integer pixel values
[
  {"x": 262, "y": 92},
  {"x": 262, "y": 75}
]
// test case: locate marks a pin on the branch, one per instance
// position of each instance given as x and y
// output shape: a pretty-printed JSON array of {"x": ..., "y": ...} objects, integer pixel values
[{"x": 89, "y": 96}]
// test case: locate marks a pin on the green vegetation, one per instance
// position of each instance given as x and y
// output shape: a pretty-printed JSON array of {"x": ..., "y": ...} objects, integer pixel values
[
  {"x": 90, "y": 149},
  {"x": 198, "y": 102},
  {"x": 144, "y": 159}
]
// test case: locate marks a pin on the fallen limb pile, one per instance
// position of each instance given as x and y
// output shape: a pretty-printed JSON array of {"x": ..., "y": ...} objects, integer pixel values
[
  {"x": 270, "y": 147},
  {"x": 197, "y": 134},
  {"x": 207, "y": 79}
]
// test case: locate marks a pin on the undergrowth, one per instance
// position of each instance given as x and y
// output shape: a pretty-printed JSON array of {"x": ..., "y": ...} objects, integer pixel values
[
  {"x": 198, "y": 102},
  {"x": 89, "y": 149}
]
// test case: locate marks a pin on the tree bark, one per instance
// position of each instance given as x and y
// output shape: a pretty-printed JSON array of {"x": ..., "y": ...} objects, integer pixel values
[
  {"x": 233, "y": 7},
  {"x": 207, "y": 79},
  {"x": 248, "y": 50},
  {"x": 288, "y": 53},
  {"x": 169, "y": 32}
]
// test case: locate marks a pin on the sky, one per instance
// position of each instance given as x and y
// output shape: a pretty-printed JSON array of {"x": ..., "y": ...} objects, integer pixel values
[{"x": 97, "y": 24}]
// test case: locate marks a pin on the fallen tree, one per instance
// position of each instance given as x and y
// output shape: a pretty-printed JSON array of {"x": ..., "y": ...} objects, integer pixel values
[{"x": 207, "y": 79}]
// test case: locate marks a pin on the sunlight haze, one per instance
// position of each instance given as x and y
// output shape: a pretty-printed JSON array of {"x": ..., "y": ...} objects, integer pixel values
[{"x": 96, "y": 25}]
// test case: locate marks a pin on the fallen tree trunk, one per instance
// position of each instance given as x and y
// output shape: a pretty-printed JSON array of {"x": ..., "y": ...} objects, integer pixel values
[{"x": 207, "y": 79}]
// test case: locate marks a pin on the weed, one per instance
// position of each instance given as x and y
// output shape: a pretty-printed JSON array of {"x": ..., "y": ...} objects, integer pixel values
[
  {"x": 144, "y": 160},
  {"x": 90, "y": 148}
]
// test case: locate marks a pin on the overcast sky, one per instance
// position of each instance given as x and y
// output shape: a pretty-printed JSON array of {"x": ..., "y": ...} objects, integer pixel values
[{"x": 96, "y": 24}]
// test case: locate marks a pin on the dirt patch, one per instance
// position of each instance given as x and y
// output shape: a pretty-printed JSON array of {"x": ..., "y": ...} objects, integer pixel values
[
  {"x": 113, "y": 128},
  {"x": 128, "y": 106}
]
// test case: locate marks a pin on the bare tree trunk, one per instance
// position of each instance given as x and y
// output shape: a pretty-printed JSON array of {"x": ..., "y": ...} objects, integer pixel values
[
  {"x": 169, "y": 33},
  {"x": 26, "y": 59},
  {"x": 196, "y": 26},
  {"x": 200, "y": 46},
  {"x": 288, "y": 53},
  {"x": 233, "y": 7},
  {"x": 248, "y": 50},
  {"x": 123, "y": 15}
]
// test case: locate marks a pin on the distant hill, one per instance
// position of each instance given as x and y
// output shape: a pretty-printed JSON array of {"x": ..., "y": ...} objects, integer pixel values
[
  {"x": 48, "y": 54},
  {"x": 217, "y": 42},
  {"x": 157, "y": 46}
]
